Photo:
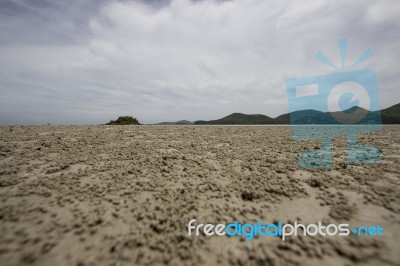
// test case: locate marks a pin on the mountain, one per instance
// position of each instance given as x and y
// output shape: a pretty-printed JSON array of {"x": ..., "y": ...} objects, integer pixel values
[
  {"x": 301, "y": 117},
  {"x": 389, "y": 115},
  {"x": 239, "y": 119},
  {"x": 181, "y": 122}
]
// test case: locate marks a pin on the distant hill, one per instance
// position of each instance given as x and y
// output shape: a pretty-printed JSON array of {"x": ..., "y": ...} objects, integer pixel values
[
  {"x": 389, "y": 115},
  {"x": 302, "y": 117},
  {"x": 181, "y": 122},
  {"x": 124, "y": 120},
  {"x": 238, "y": 119}
]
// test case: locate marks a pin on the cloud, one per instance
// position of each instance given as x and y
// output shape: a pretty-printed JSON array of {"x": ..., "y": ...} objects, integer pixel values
[{"x": 88, "y": 62}]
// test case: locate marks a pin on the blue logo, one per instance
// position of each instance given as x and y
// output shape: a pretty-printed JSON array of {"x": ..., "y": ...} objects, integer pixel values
[
  {"x": 343, "y": 103},
  {"x": 279, "y": 229}
]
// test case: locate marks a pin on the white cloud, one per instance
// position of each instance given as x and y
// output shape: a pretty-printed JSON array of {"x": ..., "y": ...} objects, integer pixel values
[{"x": 191, "y": 60}]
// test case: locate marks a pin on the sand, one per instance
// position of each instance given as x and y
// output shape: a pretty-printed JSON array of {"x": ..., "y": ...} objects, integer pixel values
[{"x": 123, "y": 195}]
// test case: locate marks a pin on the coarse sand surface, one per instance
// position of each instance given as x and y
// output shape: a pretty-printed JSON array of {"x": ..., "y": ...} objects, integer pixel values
[{"x": 123, "y": 195}]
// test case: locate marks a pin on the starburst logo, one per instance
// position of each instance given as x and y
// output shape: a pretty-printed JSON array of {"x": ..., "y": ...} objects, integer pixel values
[
  {"x": 341, "y": 98},
  {"x": 343, "y": 53}
]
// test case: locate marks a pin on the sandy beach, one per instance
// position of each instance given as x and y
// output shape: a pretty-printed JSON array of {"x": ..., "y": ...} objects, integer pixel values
[{"x": 123, "y": 195}]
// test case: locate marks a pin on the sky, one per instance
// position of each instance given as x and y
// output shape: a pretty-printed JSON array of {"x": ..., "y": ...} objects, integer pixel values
[{"x": 90, "y": 61}]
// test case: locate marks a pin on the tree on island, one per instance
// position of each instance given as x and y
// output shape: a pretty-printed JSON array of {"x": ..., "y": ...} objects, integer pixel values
[{"x": 124, "y": 120}]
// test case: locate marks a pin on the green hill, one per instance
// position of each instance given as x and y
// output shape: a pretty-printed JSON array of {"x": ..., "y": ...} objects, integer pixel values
[
  {"x": 393, "y": 110},
  {"x": 181, "y": 122},
  {"x": 389, "y": 115},
  {"x": 239, "y": 119},
  {"x": 302, "y": 117}
]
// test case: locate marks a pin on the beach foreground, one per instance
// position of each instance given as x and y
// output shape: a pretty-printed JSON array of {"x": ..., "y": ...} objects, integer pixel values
[{"x": 123, "y": 195}]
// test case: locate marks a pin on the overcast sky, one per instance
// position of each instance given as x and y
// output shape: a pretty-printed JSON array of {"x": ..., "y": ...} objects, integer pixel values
[{"x": 89, "y": 61}]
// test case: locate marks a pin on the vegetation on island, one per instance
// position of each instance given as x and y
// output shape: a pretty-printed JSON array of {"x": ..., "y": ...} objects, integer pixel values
[{"x": 124, "y": 120}]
